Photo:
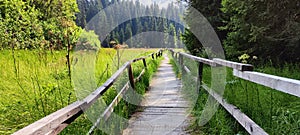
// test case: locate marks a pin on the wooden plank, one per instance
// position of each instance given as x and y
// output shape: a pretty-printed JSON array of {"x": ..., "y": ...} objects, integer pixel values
[
  {"x": 130, "y": 75},
  {"x": 58, "y": 129},
  {"x": 106, "y": 114},
  {"x": 199, "y": 59},
  {"x": 62, "y": 126},
  {"x": 186, "y": 69},
  {"x": 108, "y": 111},
  {"x": 138, "y": 59},
  {"x": 282, "y": 84},
  {"x": 52, "y": 121},
  {"x": 92, "y": 98},
  {"x": 181, "y": 64},
  {"x": 145, "y": 63},
  {"x": 234, "y": 65},
  {"x": 250, "y": 126},
  {"x": 200, "y": 76},
  {"x": 140, "y": 76}
]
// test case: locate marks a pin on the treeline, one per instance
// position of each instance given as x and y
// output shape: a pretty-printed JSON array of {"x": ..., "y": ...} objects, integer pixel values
[
  {"x": 105, "y": 16},
  {"x": 57, "y": 24},
  {"x": 267, "y": 30}
]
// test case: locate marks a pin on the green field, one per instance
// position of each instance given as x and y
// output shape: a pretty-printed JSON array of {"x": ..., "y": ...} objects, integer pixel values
[{"x": 36, "y": 83}]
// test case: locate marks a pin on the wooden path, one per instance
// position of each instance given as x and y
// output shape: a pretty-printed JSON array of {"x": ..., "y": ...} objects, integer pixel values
[{"x": 164, "y": 110}]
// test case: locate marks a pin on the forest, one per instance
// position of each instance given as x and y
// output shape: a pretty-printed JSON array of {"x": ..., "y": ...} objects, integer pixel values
[
  {"x": 59, "y": 25},
  {"x": 266, "y": 29},
  {"x": 256, "y": 28},
  {"x": 127, "y": 31}
]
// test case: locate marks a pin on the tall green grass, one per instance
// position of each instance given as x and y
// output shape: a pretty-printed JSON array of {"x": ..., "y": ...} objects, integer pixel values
[
  {"x": 123, "y": 109},
  {"x": 274, "y": 111},
  {"x": 36, "y": 83},
  {"x": 33, "y": 84}
]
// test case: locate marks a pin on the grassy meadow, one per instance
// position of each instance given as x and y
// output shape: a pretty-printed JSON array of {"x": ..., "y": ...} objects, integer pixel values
[
  {"x": 36, "y": 83},
  {"x": 274, "y": 111}
]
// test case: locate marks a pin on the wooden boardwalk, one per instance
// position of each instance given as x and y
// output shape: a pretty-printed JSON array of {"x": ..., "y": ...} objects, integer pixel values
[{"x": 164, "y": 110}]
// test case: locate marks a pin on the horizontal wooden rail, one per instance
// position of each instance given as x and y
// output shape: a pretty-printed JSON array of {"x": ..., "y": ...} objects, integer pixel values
[
  {"x": 202, "y": 60},
  {"x": 216, "y": 62},
  {"x": 250, "y": 126},
  {"x": 53, "y": 121},
  {"x": 57, "y": 121},
  {"x": 92, "y": 98},
  {"x": 243, "y": 71},
  {"x": 282, "y": 84},
  {"x": 234, "y": 65},
  {"x": 186, "y": 69},
  {"x": 108, "y": 111}
]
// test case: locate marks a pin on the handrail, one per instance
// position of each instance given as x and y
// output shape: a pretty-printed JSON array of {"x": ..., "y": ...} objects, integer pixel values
[
  {"x": 286, "y": 85},
  {"x": 250, "y": 126},
  {"x": 234, "y": 65},
  {"x": 55, "y": 122},
  {"x": 243, "y": 71}
]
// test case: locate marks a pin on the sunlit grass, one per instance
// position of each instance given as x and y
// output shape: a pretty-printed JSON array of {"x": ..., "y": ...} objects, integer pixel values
[{"x": 36, "y": 83}]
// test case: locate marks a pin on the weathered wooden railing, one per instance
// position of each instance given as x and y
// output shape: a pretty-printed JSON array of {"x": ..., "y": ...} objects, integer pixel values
[
  {"x": 244, "y": 71},
  {"x": 57, "y": 121}
]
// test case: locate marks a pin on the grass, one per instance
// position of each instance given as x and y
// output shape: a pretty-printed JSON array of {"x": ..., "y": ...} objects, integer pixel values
[
  {"x": 32, "y": 86},
  {"x": 274, "y": 111},
  {"x": 36, "y": 83}
]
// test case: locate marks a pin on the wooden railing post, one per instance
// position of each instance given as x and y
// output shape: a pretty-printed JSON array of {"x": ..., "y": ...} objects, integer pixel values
[
  {"x": 181, "y": 63},
  {"x": 200, "y": 74},
  {"x": 130, "y": 75},
  {"x": 180, "y": 59},
  {"x": 145, "y": 64}
]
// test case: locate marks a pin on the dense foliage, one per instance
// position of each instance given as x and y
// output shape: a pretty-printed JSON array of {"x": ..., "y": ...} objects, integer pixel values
[
  {"x": 211, "y": 11},
  {"x": 38, "y": 24},
  {"x": 266, "y": 29},
  {"x": 88, "y": 40}
]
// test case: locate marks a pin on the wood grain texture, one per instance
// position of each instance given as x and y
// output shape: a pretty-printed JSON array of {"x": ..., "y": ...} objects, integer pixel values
[
  {"x": 52, "y": 121},
  {"x": 109, "y": 110},
  {"x": 234, "y": 65},
  {"x": 282, "y": 84},
  {"x": 250, "y": 126},
  {"x": 186, "y": 69},
  {"x": 131, "y": 77},
  {"x": 199, "y": 59}
]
